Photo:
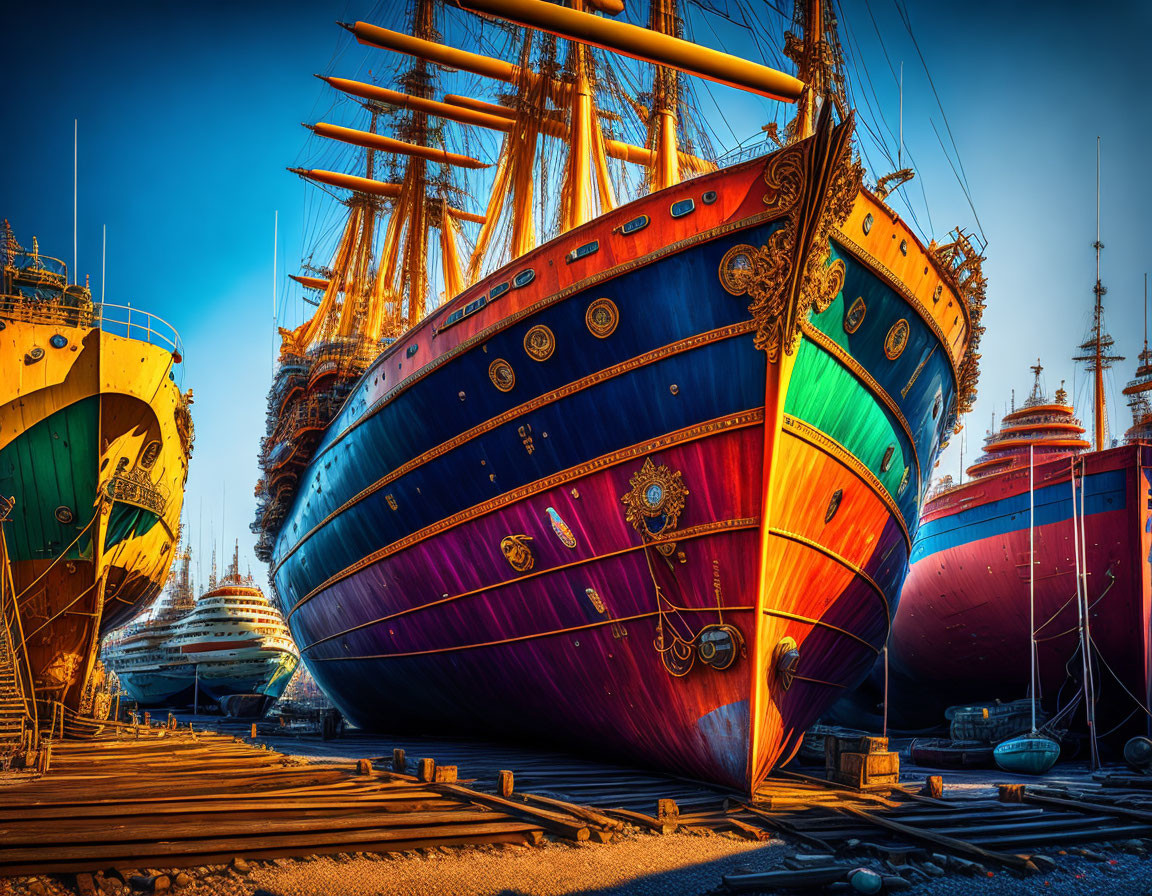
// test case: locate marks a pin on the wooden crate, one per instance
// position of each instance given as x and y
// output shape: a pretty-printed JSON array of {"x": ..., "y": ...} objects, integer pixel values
[{"x": 868, "y": 769}]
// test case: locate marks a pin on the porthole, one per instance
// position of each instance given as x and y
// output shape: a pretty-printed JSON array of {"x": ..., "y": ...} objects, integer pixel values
[
  {"x": 525, "y": 277},
  {"x": 583, "y": 251},
  {"x": 886, "y": 463},
  {"x": 937, "y": 293},
  {"x": 855, "y": 315},
  {"x": 635, "y": 224},
  {"x": 833, "y": 505},
  {"x": 736, "y": 269},
  {"x": 683, "y": 207},
  {"x": 412, "y": 349},
  {"x": 34, "y": 355},
  {"x": 896, "y": 340},
  {"x": 498, "y": 290},
  {"x": 867, "y": 223},
  {"x": 903, "y": 484},
  {"x": 709, "y": 197},
  {"x": 475, "y": 305},
  {"x": 64, "y": 515},
  {"x": 903, "y": 247},
  {"x": 58, "y": 341}
]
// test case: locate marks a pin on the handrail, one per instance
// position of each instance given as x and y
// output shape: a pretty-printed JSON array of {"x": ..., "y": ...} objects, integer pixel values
[
  {"x": 119, "y": 320},
  {"x": 8, "y": 596}
]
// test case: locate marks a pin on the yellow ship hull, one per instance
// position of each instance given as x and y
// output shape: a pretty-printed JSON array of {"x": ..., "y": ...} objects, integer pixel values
[{"x": 95, "y": 438}]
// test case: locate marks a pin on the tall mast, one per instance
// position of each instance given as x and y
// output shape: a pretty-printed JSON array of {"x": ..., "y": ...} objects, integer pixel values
[
  {"x": 817, "y": 65},
  {"x": 1095, "y": 349},
  {"x": 663, "y": 18},
  {"x": 417, "y": 82}
]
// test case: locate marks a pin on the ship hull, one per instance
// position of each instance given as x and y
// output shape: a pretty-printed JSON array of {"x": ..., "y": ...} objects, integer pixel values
[
  {"x": 91, "y": 450},
  {"x": 473, "y": 551},
  {"x": 258, "y": 672},
  {"x": 962, "y": 631}
]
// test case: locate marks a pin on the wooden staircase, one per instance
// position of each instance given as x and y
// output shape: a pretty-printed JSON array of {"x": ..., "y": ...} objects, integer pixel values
[
  {"x": 13, "y": 710},
  {"x": 16, "y": 719}
]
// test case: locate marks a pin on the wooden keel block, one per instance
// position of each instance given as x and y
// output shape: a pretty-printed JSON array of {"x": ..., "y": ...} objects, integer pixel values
[
  {"x": 363, "y": 766},
  {"x": 426, "y": 770},
  {"x": 1011, "y": 793},
  {"x": 934, "y": 786},
  {"x": 399, "y": 763},
  {"x": 253, "y": 730},
  {"x": 504, "y": 784},
  {"x": 667, "y": 810},
  {"x": 445, "y": 774}
]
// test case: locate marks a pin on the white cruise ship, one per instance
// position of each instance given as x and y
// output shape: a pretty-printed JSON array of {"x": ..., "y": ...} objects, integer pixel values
[{"x": 230, "y": 646}]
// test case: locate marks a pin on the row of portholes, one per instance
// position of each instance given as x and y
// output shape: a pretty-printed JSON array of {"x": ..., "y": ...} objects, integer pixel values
[
  {"x": 601, "y": 318},
  {"x": 36, "y": 353},
  {"x": 868, "y": 220},
  {"x": 896, "y": 340}
]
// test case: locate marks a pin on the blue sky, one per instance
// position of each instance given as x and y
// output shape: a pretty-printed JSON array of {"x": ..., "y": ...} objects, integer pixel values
[{"x": 189, "y": 113}]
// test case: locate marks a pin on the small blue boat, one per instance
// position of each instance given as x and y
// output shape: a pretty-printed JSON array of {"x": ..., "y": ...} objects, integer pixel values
[{"x": 1029, "y": 754}]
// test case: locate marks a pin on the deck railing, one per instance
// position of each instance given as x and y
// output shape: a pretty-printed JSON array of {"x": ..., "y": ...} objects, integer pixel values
[{"x": 119, "y": 320}]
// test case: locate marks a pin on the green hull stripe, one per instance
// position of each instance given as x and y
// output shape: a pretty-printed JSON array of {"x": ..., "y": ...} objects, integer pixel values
[{"x": 49, "y": 466}]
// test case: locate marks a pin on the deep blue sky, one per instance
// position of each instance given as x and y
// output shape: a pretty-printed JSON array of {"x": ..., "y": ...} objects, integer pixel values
[{"x": 190, "y": 112}]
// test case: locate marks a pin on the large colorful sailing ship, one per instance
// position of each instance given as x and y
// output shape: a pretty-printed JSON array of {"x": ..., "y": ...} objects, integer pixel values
[
  {"x": 95, "y": 437},
  {"x": 229, "y": 646},
  {"x": 649, "y": 484},
  {"x": 962, "y": 629}
]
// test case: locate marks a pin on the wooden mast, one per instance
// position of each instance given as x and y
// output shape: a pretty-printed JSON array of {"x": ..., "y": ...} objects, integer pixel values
[
  {"x": 1095, "y": 349},
  {"x": 814, "y": 59},
  {"x": 663, "y": 19}
]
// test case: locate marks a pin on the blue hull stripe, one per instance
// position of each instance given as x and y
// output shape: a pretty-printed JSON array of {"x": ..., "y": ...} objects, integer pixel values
[{"x": 1103, "y": 492}]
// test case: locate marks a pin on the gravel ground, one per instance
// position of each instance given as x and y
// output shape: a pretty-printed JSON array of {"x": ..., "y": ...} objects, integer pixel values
[{"x": 633, "y": 864}]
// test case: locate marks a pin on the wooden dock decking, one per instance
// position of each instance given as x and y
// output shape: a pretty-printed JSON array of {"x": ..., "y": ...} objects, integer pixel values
[{"x": 176, "y": 799}]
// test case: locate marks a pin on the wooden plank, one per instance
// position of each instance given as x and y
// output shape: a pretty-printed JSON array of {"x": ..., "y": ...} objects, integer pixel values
[
  {"x": 1020, "y": 863},
  {"x": 550, "y": 821}
]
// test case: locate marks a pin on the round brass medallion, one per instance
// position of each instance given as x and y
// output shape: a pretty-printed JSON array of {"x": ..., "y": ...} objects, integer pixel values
[
  {"x": 602, "y": 318},
  {"x": 855, "y": 315},
  {"x": 736, "y": 269},
  {"x": 502, "y": 375},
  {"x": 896, "y": 340},
  {"x": 539, "y": 343}
]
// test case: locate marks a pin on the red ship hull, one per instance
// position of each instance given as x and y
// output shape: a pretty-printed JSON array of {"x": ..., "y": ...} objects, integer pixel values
[{"x": 961, "y": 633}]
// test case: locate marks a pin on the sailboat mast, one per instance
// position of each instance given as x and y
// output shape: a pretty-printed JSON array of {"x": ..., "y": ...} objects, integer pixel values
[
  {"x": 1032, "y": 577},
  {"x": 417, "y": 83},
  {"x": 1095, "y": 350},
  {"x": 663, "y": 18},
  {"x": 809, "y": 57},
  {"x": 1098, "y": 289}
]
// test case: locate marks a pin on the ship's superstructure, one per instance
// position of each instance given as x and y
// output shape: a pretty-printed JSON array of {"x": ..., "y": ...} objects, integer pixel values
[
  {"x": 962, "y": 630},
  {"x": 95, "y": 438},
  {"x": 1040, "y": 431},
  {"x": 648, "y": 476},
  {"x": 230, "y": 645}
]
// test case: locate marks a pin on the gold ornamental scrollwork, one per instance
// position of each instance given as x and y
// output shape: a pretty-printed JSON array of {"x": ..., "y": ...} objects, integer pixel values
[
  {"x": 517, "y": 550},
  {"x": 784, "y": 176},
  {"x": 655, "y": 499},
  {"x": 763, "y": 275},
  {"x": 815, "y": 185}
]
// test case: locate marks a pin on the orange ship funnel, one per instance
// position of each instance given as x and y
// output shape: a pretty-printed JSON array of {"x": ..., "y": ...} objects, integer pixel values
[{"x": 643, "y": 44}]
